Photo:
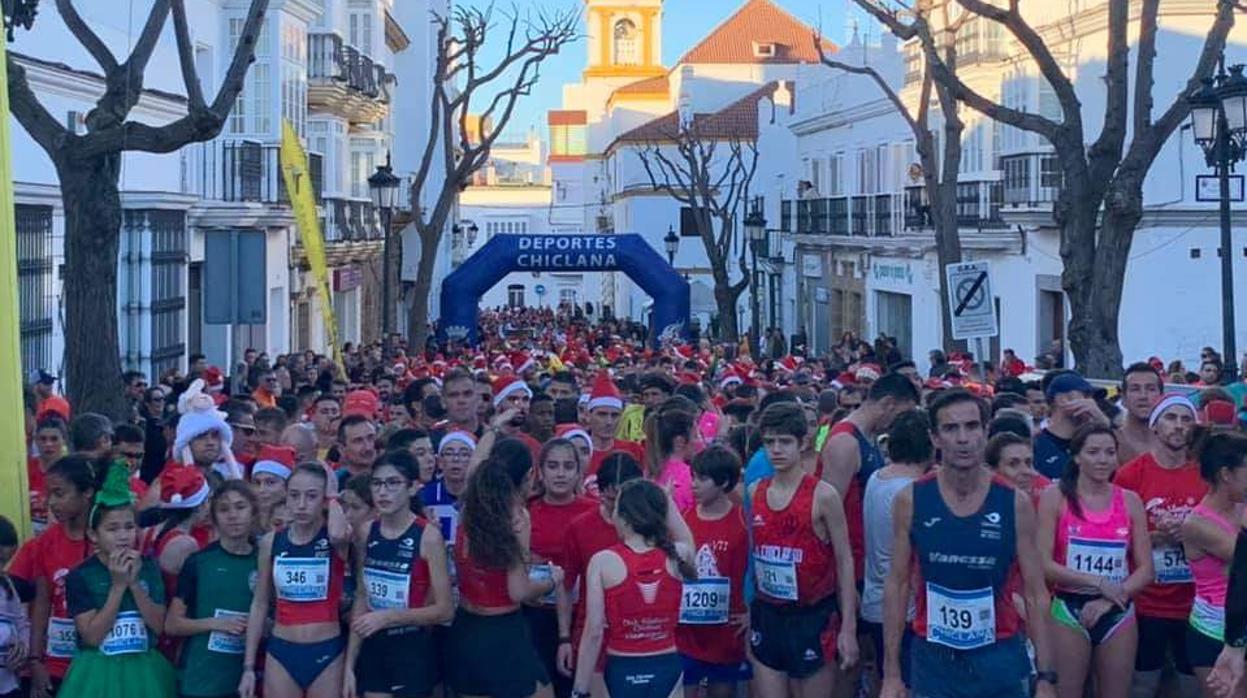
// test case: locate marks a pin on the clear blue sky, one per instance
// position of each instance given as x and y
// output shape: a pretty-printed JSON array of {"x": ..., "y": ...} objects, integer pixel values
[{"x": 685, "y": 22}]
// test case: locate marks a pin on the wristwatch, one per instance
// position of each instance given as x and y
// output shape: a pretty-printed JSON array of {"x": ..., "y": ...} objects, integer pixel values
[
  {"x": 581, "y": 694},
  {"x": 1048, "y": 676}
]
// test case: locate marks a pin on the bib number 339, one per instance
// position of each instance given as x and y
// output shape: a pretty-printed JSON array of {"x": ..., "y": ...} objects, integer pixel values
[{"x": 962, "y": 620}]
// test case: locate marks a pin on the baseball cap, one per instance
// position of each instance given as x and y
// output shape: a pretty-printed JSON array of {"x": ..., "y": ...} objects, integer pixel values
[
  {"x": 1069, "y": 382},
  {"x": 42, "y": 376}
]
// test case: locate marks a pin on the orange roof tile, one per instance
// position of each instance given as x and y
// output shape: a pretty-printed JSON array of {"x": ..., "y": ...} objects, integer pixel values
[
  {"x": 738, "y": 120},
  {"x": 646, "y": 86},
  {"x": 762, "y": 22}
]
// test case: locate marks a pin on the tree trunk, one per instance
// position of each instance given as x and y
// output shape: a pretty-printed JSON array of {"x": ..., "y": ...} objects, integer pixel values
[
  {"x": 92, "y": 236},
  {"x": 725, "y": 298},
  {"x": 418, "y": 326},
  {"x": 947, "y": 251},
  {"x": 1123, "y": 209}
]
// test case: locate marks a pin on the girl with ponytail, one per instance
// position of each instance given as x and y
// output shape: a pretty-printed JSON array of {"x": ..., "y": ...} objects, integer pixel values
[
  {"x": 669, "y": 439},
  {"x": 635, "y": 588}
]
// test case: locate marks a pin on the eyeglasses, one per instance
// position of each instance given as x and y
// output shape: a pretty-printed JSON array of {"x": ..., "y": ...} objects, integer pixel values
[{"x": 392, "y": 484}]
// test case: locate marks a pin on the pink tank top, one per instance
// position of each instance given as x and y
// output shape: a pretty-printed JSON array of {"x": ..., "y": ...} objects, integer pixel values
[
  {"x": 1212, "y": 581},
  {"x": 1096, "y": 543}
]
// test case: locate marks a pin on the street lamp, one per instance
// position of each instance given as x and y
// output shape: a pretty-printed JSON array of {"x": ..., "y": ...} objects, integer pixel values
[
  {"x": 755, "y": 230},
  {"x": 672, "y": 242},
  {"x": 1219, "y": 124},
  {"x": 384, "y": 187}
]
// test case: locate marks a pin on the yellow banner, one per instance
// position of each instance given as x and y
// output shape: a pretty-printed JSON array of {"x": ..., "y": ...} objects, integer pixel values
[
  {"x": 303, "y": 200},
  {"x": 14, "y": 497}
]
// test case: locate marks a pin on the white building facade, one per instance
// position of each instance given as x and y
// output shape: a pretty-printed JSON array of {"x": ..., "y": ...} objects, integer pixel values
[
  {"x": 864, "y": 258},
  {"x": 327, "y": 66}
]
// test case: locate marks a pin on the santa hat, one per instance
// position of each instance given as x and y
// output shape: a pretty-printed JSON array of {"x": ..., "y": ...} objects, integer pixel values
[
  {"x": 200, "y": 416},
  {"x": 868, "y": 373},
  {"x": 1175, "y": 400},
  {"x": 844, "y": 380},
  {"x": 789, "y": 364},
  {"x": 572, "y": 431},
  {"x": 521, "y": 361},
  {"x": 213, "y": 377},
  {"x": 457, "y": 436},
  {"x": 604, "y": 393},
  {"x": 730, "y": 377},
  {"x": 360, "y": 402},
  {"x": 182, "y": 487},
  {"x": 53, "y": 404},
  {"x": 277, "y": 461},
  {"x": 507, "y": 385}
]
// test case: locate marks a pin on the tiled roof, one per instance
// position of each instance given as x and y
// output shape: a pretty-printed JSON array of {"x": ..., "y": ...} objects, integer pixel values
[
  {"x": 738, "y": 120},
  {"x": 758, "y": 22},
  {"x": 646, "y": 86}
]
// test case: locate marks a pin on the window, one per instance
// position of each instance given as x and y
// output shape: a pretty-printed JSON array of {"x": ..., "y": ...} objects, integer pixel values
[
  {"x": 361, "y": 32},
  {"x": 515, "y": 295},
  {"x": 835, "y": 175},
  {"x": 763, "y": 50},
  {"x": 567, "y": 141},
  {"x": 626, "y": 43},
  {"x": 294, "y": 97},
  {"x": 968, "y": 40},
  {"x": 261, "y": 100},
  {"x": 867, "y": 170},
  {"x": 816, "y": 175},
  {"x": 972, "y": 149}
]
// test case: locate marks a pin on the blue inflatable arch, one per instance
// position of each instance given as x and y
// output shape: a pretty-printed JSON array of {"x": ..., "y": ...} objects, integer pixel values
[{"x": 503, "y": 254}]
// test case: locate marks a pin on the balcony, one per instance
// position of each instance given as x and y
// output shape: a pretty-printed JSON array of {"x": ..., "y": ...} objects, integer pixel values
[
  {"x": 344, "y": 81},
  {"x": 242, "y": 171},
  {"x": 350, "y": 220},
  {"x": 1031, "y": 180}
]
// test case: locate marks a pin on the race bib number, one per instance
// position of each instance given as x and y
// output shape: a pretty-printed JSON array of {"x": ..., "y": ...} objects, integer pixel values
[
  {"x": 705, "y": 601},
  {"x": 776, "y": 579},
  {"x": 301, "y": 579},
  {"x": 540, "y": 574},
  {"x": 386, "y": 589},
  {"x": 62, "y": 638},
  {"x": 962, "y": 620},
  {"x": 128, "y": 636},
  {"x": 1171, "y": 565},
  {"x": 1101, "y": 558},
  {"x": 227, "y": 643}
]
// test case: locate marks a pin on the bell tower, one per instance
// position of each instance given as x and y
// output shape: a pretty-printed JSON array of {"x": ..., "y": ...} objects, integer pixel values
[{"x": 625, "y": 38}]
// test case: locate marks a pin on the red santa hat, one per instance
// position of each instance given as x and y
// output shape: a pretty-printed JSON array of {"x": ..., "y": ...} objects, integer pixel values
[
  {"x": 183, "y": 487},
  {"x": 274, "y": 460},
  {"x": 730, "y": 377},
  {"x": 868, "y": 373},
  {"x": 604, "y": 393},
  {"x": 521, "y": 361},
  {"x": 789, "y": 364},
  {"x": 572, "y": 431},
  {"x": 507, "y": 385},
  {"x": 844, "y": 380}
]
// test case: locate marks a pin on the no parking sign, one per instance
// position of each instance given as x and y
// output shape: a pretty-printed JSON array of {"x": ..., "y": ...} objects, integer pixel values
[{"x": 971, "y": 301}]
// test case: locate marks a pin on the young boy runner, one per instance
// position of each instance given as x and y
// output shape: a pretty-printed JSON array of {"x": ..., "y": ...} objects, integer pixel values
[
  {"x": 713, "y": 621},
  {"x": 803, "y": 567}
]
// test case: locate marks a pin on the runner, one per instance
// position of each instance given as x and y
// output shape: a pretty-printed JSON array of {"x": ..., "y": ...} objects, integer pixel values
[
  {"x": 440, "y": 498},
  {"x": 1013, "y": 458},
  {"x": 1227, "y": 675},
  {"x": 46, "y": 561},
  {"x": 1070, "y": 405},
  {"x": 51, "y": 433},
  {"x": 214, "y": 597},
  {"x": 911, "y": 454},
  {"x": 406, "y": 590},
  {"x": 491, "y": 551},
  {"x": 713, "y": 615},
  {"x": 116, "y": 599},
  {"x": 1141, "y": 388},
  {"x": 184, "y": 504},
  {"x": 803, "y": 566},
  {"x": 669, "y": 439},
  {"x": 14, "y": 622},
  {"x": 1208, "y": 536},
  {"x": 1169, "y": 483},
  {"x": 583, "y": 443},
  {"x": 605, "y": 407},
  {"x": 269, "y": 475},
  {"x": 1097, "y": 555},
  {"x": 302, "y": 567},
  {"x": 970, "y": 536},
  {"x": 552, "y": 514},
  {"x": 634, "y": 589},
  {"x": 850, "y": 456}
]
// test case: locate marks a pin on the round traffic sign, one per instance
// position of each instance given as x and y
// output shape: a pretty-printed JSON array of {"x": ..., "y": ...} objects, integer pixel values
[
  {"x": 970, "y": 295},
  {"x": 540, "y": 289}
]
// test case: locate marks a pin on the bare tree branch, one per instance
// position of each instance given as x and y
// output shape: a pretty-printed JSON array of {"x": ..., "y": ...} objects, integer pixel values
[
  {"x": 874, "y": 75},
  {"x": 1105, "y": 153},
  {"x": 31, "y": 114},
  {"x": 84, "y": 34},
  {"x": 186, "y": 57},
  {"x": 1143, "y": 85}
]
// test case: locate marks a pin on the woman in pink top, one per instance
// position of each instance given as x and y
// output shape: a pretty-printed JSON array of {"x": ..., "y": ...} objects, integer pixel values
[
  {"x": 1097, "y": 555},
  {"x": 669, "y": 441},
  {"x": 1208, "y": 536}
]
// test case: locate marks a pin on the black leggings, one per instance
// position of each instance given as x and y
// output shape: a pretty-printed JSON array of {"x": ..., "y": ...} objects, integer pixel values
[{"x": 1158, "y": 637}]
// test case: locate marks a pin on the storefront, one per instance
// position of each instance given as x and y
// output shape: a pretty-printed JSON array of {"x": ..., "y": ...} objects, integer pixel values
[{"x": 901, "y": 303}]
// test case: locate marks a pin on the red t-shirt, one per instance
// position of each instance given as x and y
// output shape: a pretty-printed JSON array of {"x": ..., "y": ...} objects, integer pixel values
[
  {"x": 721, "y": 550},
  {"x": 38, "y": 497},
  {"x": 632, "y": 448},
  {"x": 550, "y": 523},
  {"x": 51, "y": 556},
  {"x": 587, "y": 535},
  {"x": 1166, "y": 493}
]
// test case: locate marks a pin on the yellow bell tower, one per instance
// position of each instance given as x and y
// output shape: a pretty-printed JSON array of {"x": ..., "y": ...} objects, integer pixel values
[{"x": 625, "y": 38}]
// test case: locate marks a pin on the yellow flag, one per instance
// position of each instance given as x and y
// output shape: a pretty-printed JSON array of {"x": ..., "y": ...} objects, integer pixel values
[
  {"x": 298, "y": 180},
  {"x": 14, "y": 500}
]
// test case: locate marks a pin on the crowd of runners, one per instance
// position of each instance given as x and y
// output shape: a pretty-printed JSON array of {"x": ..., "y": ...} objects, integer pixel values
[{"x": 561, "y": 512}]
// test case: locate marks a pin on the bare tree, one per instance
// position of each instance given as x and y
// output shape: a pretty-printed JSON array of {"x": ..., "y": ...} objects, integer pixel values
[
  {"x": 1101, "y": 200},
  {"x": 89, "y": 166},
  {"x": 687, "y": 164},
  {"x": 940, "y": 183},
  {"x": 459, "y": 83}
]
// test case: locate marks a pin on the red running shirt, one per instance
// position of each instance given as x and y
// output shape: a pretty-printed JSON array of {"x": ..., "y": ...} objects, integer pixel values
[
  {"x": 38, "y": 497},
  {"x": 642, "y": 610},
  {"x": 1167, "y": 494},
  {"x": 50, "y": 557},
  {"x": 588, "y": 534},
  {"x": 480, "y": 586},
  {"x": 721, "y": 549},
  {"x": 787, "y": 550},
  {"x": 551, "y": 522},
  {"x": 307, "y": 579},
  {"x": 854, "y": 509}
]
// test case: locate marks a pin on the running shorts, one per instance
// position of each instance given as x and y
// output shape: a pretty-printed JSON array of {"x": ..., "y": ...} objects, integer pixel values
[
  {"x": 1067, "y": 610},
  {"x": 699, "y": 673},
  {"x": 649, "y": 676},
  {"x": 797, "y": 640},
  {"x": 403, "y": 664},
  {"x": 1201, "y": 649},
  {"x": 1159, "y": 637},
  {"x": 493, "y": 656},
  {"x": 999, "y": 670}
]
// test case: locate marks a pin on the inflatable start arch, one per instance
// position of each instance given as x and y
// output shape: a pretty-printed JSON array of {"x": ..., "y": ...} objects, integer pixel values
[{"x": 503, "y": 254}]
